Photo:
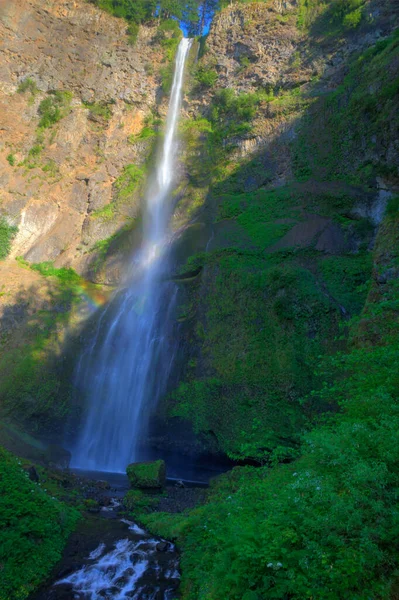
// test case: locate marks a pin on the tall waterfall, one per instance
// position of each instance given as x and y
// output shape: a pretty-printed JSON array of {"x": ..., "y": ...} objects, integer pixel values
[{"x": 127, "y": 366}]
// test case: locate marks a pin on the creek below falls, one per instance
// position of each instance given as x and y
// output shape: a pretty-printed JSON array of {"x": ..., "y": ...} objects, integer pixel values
[{"x": 110, "y": 556}]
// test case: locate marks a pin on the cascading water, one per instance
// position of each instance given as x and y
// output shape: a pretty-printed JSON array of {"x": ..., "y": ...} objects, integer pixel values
[{"x": 123, "y": 372}]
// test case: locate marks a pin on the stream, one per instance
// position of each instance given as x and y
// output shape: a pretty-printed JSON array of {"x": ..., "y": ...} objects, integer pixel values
[{"x": 112, "y": 557}]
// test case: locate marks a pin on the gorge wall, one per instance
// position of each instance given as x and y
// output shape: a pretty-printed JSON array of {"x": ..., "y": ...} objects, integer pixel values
[{"x": 285, "y": 249}]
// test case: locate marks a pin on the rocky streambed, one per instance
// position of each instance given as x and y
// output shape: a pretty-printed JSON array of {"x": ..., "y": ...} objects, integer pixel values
[{"x": 112, "y": 557}]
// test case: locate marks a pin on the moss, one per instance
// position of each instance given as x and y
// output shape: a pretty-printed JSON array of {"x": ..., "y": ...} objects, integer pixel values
[
  {"x": 264, "y": 323},
  {"x": 340, "y": 136},
  {"x": 147, "y": 474},
  {"x": 32, "y": 389},
  {"x": 138, "y": 502},
  {"x": 33, "y": 530}
]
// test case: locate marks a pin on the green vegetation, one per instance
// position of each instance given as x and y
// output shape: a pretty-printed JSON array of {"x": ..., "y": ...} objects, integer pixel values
[
  {"x": 192, "y": 12},
  {"x": 28, "y": 85},
  {"x": 7, "y": 233},
  {"x": 11, "y": 159},
  {"x": 365, "y": 107},
  {"x": 206, "y": 77},
  {"x": 65, "y": 275},
  {"x": 133, "y": 33},
  {"x": 31, "y": 387},
  {"x": 331, "y": 17},
  {"x": 147, "y": 474},
  {"x": 138, "y": 502},
  {"x": 99, "y": 109},
  {"x": 53, "y": 108},
  {"x": 323, "y": 526},
  {"x": 129, "y": 181},
  {"x": 33, "y": 530}
]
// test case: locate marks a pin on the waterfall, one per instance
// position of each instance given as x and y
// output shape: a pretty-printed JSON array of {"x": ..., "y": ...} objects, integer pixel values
[{"x": 126, "y": 367}]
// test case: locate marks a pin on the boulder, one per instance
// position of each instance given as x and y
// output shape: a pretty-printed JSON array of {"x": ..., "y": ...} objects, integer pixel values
[{"x": 151, "y": 474}]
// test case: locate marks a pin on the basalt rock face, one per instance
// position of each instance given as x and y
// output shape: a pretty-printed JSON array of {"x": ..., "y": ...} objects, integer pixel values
[
  {"x": 63, "y": 177},
  {"x": 291, "y": 215}
]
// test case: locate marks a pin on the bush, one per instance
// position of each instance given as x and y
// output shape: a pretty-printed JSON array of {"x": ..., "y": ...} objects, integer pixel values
[
  {"x": 11, "y": 159},
  {"x": 206, "y": 77},
  {"x": 7, "y": 233},
  {"x": 33, "y": 530},
  {"x": 27, "y": 85},
  {"x": 132, "y": 33},
  {"x": 53, "y": 108}
]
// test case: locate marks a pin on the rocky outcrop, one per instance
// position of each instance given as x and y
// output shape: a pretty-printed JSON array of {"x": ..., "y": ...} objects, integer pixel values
[{"x": 56, "y": 181}]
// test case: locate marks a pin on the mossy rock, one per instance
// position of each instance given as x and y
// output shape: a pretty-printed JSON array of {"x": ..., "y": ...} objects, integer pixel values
[{"x": 151, "y": 474}]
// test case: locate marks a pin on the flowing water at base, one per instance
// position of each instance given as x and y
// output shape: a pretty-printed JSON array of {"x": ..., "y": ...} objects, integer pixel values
[
  {"x": 129, "y": 564},
  {"x": 126, "y": 571}
]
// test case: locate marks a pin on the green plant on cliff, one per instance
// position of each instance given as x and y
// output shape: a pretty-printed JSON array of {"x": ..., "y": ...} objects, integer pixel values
[
  {"x": 206, "y": 77},
  {"x": 7, "y": 233},
  {"x": 53, "y": 108},
  {"x": 28, "y": 85},
  {"x": 32, "y": 389},
  {"x": 33, "y": 530},
  {"x": 360, "y": 111}
]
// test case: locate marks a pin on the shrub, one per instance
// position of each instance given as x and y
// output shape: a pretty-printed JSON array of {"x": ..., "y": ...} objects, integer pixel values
[
  {"x": 11, "y": 159},
  {"x": 27, "y": 85},
  {"x": 33, "y": 530},
  {"x": 132, "y": 33},
  {"x": 7, "y": 233},
  {"x": 53, "y": 108},
  {"x": 206, "y": 77}
]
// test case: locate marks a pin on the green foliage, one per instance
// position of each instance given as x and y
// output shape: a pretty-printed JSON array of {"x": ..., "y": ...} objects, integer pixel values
[
  {"x": 393, "y": 206},
  {"x": 347, "y": 279},
  {"x": 53, "y": 108},
  {"x": 324, "y": 526},
  {"x": 146, "y": 133},
  {"x": 11, "y": 159},
  {"x": 206, "y": 77},
  {"x": 28, "y": 85},
  {"x": 232, "y": 114},
  {"x": 31, "y": 387},
  {"x": 264, "y": 323},
  {"x": 7, "y": 233},
  {"x": 99, "y": 109},
  {"x": 137, "y": 502},
  {"x": 33, "y": 530},
  {"x": 330, "y": 17},
  {"x": 132, "y": 33},
  {"x": 129, "y": 181},
  {"x": 362, "y": 110},
  {"x": 65, "y": 275}
]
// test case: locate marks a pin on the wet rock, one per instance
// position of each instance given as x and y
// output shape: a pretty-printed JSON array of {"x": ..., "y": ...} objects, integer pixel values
[
  {"x": 162, "y": 546},
  {"x": 32, "y": 473},
  {"x": 57, "y": 456},
  {"x": 151, "y": 474}
]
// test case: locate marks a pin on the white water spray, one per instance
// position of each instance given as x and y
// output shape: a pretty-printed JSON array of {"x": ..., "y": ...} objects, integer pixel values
[{"x": 124, "y": 372}]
